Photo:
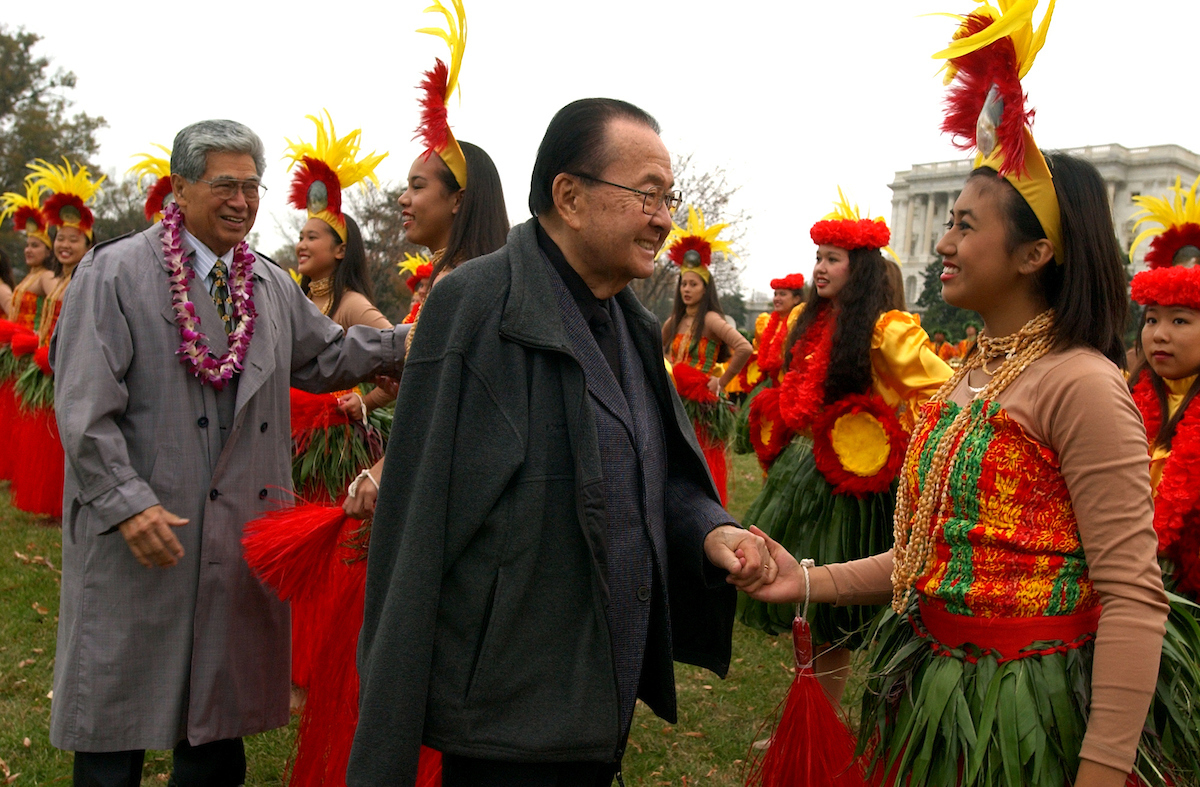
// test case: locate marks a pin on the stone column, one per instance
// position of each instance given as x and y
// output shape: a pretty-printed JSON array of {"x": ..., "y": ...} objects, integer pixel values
[{"x": 929, "y": 207}]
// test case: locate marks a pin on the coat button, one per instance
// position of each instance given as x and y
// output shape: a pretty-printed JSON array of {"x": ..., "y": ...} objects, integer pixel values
[
  {"x": 263, "y": 428},
  {"x": 212, "y": 494},
  {"x": 643, "y": 593},
  {"x": 202, "y": 421},
  {"x": 262, "y": 494}
]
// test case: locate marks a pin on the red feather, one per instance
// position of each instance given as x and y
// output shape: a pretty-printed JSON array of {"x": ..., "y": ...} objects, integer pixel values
[
  {"x": 26, "y": 214},
  {"x": 53, "y": 208},
  {"x": 7, "y": 331},
  {"x": 314, "y": 411},
  {"x": 315, "y": 170},
  {"x": 290, "y": 550},
  {"x": 1160, "y": 286},
  {"x": 977, "y": 72},
  {"x": 812, "y": 745},
  {"x": 692, "y": 384},
  {"x": 686, "y": 244},
  {"x": 1164, "y": 247},
  {"x": 41, "y": 356},
  {"x": 793, "y": 281},
  {"x": 24, "y": 342},
  {"x": 157, "y": 197},
  {"x": 423, "y": 272},
  {"x": 434, "y": 130}
]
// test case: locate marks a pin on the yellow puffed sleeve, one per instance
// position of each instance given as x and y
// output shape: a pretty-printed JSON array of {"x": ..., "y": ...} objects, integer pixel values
[
  {"x": 906, "y": 371},
  {"x": 760, "y": 325}
]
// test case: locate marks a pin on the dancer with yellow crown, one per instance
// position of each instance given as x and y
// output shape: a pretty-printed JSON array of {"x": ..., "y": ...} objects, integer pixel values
[
  {"x": 1028, "y": 610},
  {"x": 23, "y": 310},
  {"x": 419, "y": 269},
  {"x": 37, "y": 483},
  {"x": 704, "y": 350},
  {"x": 833, "y": 432}
]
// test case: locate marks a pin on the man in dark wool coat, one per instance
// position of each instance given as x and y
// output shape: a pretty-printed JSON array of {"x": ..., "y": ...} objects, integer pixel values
[{"x": 547, "y": 538}]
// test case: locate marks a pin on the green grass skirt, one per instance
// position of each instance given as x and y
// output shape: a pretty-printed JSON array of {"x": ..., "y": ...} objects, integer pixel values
[
  {"x": 963, "y": 718},
  {"x": 797, "y": 508}
]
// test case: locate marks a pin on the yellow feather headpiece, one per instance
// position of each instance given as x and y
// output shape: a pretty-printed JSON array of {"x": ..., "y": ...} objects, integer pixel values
[
  {"x": 846, "y": 228},
  {"x": 418, "y": 267},
  {"x": 439, "y": 84},
  {"x": 155, "y": 171},
  {"x": 70, "y": 191},
  {"x": 992, "y": 50},
  {"x": 1178, "y": 220},
  {"x": 692, "y": 248},
  {"x": 326, "y": 168},
  {"x": 26, "y": 210}
]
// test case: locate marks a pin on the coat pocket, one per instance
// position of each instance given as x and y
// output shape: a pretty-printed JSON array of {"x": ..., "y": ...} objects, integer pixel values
[{"x": 484, "y": 628}]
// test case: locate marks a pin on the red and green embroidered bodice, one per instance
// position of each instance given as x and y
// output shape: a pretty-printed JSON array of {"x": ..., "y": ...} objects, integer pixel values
[
  {"x": 1006, "y": 541},
  {"x": 703, "y": 356}
]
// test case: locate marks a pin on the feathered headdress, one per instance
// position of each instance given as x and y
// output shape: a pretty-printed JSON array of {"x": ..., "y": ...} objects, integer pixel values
[
  {"x": 692, "y": 248},
  {"x": 992, "y": 50},
  {"x": 1178, "y": 220},
  {"x": 793, "y": 281},
  {"x": 438, "y": 85},
  {"x": 1170, "y": 286},
  {"x": 70, "y": 190},
  {"x": 157, "y": 172},
  {"x": 325, "y": 169},
  {"x": 26, "y": 211},
  {"x": 845, "y": 228},
  {"x": 419, "y": 268}
]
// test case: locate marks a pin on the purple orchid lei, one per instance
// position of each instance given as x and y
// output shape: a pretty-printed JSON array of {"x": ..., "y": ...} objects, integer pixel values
[{"x": 193, "y": 351}]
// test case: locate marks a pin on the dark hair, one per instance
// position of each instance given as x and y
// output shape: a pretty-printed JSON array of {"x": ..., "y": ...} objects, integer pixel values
[
  {"x": 481, "y": 224},
  {"x": 576, "y": 142},
  {"x": 6, "y": 271},
  {"x": 865, "y": 296},
  {"x": 1086, "y": 288},
  {"x": 709, "y": 303},
  {"x": 351, "y": 274}
]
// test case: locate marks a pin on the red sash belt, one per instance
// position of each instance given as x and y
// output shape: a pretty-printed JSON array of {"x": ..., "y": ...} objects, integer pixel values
[{"x": 1007, "y": 636}]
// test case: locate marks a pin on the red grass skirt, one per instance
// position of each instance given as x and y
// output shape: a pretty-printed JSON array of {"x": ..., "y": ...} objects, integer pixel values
[
  {"x": 718, "y": 465},
  {"x": 37, "y": 477},
  {"x": 8, "y": 429}
]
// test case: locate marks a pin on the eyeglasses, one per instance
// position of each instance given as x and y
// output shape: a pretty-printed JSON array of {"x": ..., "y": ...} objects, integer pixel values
[
  {"x": 653, "y": 198},
  {"x": 227, "y": 188}
]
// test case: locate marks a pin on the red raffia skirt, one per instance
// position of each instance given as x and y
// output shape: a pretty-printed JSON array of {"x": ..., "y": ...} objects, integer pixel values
[
  {"x": 8, "y": 429},
  {"x": 38, "y": 464},
  {"x": 718, "y": 462}
]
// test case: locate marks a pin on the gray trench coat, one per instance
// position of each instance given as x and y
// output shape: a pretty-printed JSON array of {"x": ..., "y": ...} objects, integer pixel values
[{"x": 148, "y": 657}]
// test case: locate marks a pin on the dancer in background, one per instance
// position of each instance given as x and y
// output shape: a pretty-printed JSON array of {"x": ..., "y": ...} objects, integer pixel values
[
  {"x": 1027, "y": 607},
  {"x": 833, "y": 432},
  {"x": 770, "y": 329},
  {"x": 705, "y": 351},
  {"x": 24, "y": 306},
  {"x": 37, "y": 483}
]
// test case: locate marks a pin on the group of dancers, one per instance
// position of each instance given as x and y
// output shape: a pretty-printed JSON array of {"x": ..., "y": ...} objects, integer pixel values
[{"x": 995, "y": 532}]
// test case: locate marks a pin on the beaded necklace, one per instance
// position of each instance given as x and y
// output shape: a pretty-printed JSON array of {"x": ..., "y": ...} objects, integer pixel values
[
  {"x": 915, "y": 518},
  {"x": 322, "y": 288}
]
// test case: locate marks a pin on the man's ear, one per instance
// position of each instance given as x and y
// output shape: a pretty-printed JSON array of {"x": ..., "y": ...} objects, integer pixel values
[
  {"x": 570, "y": 200},
  {"x": 178, "y": 182}
]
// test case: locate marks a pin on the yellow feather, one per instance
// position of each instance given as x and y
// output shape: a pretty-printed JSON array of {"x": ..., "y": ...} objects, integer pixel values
[
  {"x": 410, "y": 263},
  {"x": 1014, "y": 19},
  {"x": 339, "y": 153},
  {"x": 455, "y": 37},
  {"x": 152, "y": 166},
  {"x": 697, "y": 228},
  {"x": 1182, "y": 208},
  {"x": 64, "y": 180},
  {"x": 14, "y": 201}
]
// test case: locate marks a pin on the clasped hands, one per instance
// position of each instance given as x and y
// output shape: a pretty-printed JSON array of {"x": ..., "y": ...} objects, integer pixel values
[{"x": 757, "y": 565}]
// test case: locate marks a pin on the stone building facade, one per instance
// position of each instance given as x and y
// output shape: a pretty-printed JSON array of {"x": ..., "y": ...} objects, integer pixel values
[{"x": 923, "y": 196}]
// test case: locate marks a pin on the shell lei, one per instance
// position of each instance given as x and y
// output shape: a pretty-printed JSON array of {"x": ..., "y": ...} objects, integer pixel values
[{"x": 193, "y": 350}]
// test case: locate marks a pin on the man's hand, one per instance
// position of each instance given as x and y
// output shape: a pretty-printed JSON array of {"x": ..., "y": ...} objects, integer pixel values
[
  {"x": 788, "y": 584},
  {"x": 150, "y": 538},
  {"x": 743, "y": 554},
  {"x": 390, "y": 385}
]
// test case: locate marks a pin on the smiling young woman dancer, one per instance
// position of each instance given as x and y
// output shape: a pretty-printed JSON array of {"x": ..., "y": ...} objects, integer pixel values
[
  {"x": 833, "y": 431},
  {"x": 705, "y": 351},
  {"x": 1027, "y": 608},
  {"x": 37, "y": 483}
]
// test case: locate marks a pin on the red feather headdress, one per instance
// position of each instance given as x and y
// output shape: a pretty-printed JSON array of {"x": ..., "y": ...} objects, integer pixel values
[
  {"x": 793, "y": 281},
  {"x": 1174, "y": 223},
  {"x": 699, "y": 238},
  {"x": 26, "y": 211},
  {"x": 845, "y": 228},
  {"x": 992, "y": 50},
  {"x": 70, "y": 190},
  {"x": 326, "y": 167},
  {"x": 437, "y": 87},
  {"x": 1170, "y": 286},
  {"x": 157, "y": 171}
]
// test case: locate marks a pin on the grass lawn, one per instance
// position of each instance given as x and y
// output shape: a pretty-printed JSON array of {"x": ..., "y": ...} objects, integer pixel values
[{"x": 718, "y": 719}]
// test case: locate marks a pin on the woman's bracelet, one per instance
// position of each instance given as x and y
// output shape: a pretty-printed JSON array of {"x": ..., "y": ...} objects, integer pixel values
[{"x": 353, "y": 490}]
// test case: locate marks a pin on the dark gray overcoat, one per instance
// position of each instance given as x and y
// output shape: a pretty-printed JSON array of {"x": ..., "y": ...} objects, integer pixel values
[{"x": 148, "y": 657}]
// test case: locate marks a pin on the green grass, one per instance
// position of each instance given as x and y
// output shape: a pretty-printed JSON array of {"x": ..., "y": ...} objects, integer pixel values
[{"x": 718, "y": 720}]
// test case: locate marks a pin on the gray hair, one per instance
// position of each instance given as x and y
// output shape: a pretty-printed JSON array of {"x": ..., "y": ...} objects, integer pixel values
[{"x": 189, "y": 153}]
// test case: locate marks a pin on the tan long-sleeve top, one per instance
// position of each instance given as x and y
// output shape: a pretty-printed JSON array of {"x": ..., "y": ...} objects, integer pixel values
[
  {"x": 355, "y": 309},
  {"x": 1076, "y": 403}
]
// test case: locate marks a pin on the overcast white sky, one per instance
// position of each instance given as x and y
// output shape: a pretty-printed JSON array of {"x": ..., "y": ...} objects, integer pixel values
[{"x": 791, "y": 98}]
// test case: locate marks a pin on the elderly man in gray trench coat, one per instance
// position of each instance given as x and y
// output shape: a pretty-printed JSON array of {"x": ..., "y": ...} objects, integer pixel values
[{"x": 166, "y": 639}]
